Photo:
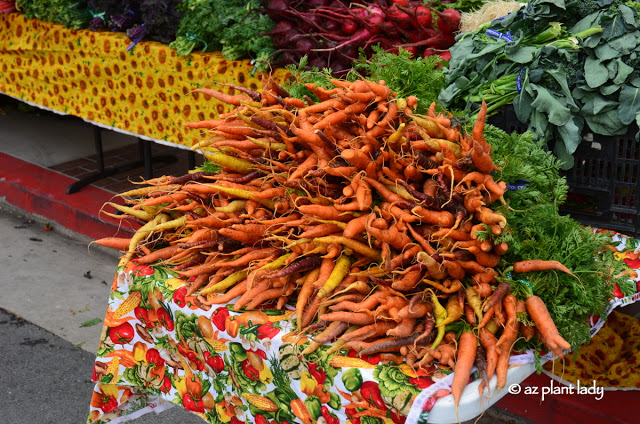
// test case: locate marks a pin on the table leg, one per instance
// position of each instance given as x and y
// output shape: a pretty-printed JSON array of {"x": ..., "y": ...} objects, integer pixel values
[{"x": 145, "y": 160}]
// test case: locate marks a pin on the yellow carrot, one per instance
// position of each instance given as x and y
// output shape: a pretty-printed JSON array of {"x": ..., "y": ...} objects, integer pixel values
[
  {"x": 229, "y": 162},
  {"x": 343, "y": 264},
  {"x": 361, "y": 248},
  {"x": 227, "y": 282}
]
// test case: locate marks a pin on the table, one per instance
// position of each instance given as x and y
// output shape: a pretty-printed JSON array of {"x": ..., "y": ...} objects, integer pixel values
[
  {"x": 160, "y": 348},
  {"x": 145, "y": 91}
]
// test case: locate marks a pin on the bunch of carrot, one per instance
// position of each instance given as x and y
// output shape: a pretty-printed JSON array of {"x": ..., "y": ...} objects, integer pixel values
[{"x": 361, "y": 213}]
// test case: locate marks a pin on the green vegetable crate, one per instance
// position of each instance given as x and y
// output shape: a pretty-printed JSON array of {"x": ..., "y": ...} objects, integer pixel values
[{"x": 604, "y": 183}]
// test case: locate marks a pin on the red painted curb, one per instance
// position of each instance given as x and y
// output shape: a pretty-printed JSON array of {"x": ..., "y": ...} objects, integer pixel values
[
  {"x": 41, "y": 191},
  {"x": 619, "y": 406}
]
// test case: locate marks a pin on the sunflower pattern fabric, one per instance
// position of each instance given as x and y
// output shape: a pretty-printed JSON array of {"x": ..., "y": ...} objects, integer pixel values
[
  {"x": 146, "y": 90},
  {"x": 611, "y": 359}
]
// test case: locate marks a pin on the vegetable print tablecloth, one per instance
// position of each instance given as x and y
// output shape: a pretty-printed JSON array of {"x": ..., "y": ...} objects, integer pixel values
[
  {"x": 161, "y": 348},
  {"x": 145, "y": 91}
]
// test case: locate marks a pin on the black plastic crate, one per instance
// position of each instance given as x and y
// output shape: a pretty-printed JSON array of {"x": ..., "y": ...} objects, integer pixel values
[{"x": 604, "y": 183}]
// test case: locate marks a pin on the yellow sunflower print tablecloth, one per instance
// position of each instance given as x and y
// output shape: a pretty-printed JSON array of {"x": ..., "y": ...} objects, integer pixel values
[
  {"x": 145, "y": 91},
  {"x": 611, "y": 359}
]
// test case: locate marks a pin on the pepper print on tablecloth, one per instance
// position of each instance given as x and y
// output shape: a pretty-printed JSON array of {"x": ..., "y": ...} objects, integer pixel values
[
  {"x": 146, "y": 90},
  {"x": 159, "y": 345}
]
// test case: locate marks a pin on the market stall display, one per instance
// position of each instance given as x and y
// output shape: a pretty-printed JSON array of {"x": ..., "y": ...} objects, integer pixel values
[
  {"x": 351, "y": 251},
  {"x": 264, "y": 224},
  {"x": 568, "y": 73},
  {"x": 146, "y": 91},
  {"x": 269, "y": 33}
]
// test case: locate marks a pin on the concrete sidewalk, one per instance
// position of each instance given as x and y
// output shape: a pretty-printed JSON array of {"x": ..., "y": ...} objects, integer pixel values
[{"x": 51, "y": 285}]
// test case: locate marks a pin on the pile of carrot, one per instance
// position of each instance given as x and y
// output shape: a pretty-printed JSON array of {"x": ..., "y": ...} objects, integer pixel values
[{"x": 362, "y": 214}]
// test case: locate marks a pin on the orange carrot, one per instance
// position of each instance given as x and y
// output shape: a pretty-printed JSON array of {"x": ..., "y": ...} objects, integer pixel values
[
  {"x": 370, "y": 331},
  {"x": 206, "y": 124},
  {"x": 235, "y": 100},
  {"x": 325, "y": 212},
  {"x": 231, "y": 294},
  {"x": 334, "y": 118},
  {"x": 545, "y": 325},
  {"x": 404, "y": 328},
  {"x": 539, "y": 265},
  {"x": 355, "y": 157},
  {"x": 478, "y": 127},
  {"x": 164, "y": 253},
  {"x": 467, "y": 346},
  {"x": 119, "y": 243},
  {"x": 408, "y": 281}
]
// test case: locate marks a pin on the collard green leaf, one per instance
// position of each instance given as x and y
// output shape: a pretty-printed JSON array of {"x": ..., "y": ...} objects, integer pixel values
[
  {"x": 535, "y": 75},
  {"x": 607, "y": 90},
  {"x": 624, "y": 71},
  {"x": 555, "y": 108},
  {"x": 605, "y": 52},
  {"x": 598, "y": 104},
  {"x": 595, "y": 72},
  {"x": 462, "y": 82},
  {"x": 586, "y": 22},
  {"x": 560, "y": 76},
  {"x": 592, "y": 41},
  {"x": 488, "y": 49},
  {"x": 565, "y": 158},
  {"x": 570, "y": 133},
  {"x": 626, "y": 43},
  {"x": 606, "y": 123},
  {"x": 522, "y": 105},
  {"x": 629, "y": 104},
  {"x": 614, "y": 27},
  {"x": 520, "y": 54},
  {"x": 628, "y": 15},
  {"x": 612, "y": 69}
]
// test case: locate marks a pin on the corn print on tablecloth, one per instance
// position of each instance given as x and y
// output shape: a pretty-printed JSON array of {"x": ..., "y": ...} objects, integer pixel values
[
  {"x": 160, "y": 348},
  {"x": 145, "y": 91}
]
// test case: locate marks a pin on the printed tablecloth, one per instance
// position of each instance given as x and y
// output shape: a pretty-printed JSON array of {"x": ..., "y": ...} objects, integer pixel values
[
  {"x": 161, "y": 348},
  {"x": 144, "y": 91}
]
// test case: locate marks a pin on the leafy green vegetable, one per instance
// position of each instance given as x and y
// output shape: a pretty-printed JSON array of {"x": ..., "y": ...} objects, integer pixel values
[
  {"x": 566, "y": 67},
  {"x": 536, "y": 230},
  {"x": 404, "y": 74},
  {"x": 461, "y": 5},
  {"x": 302, "y": 74},
  {"x": 71, "y": 13},
  {"x": 232, "y": 26},
  {"x": 210, "y": 167}
]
